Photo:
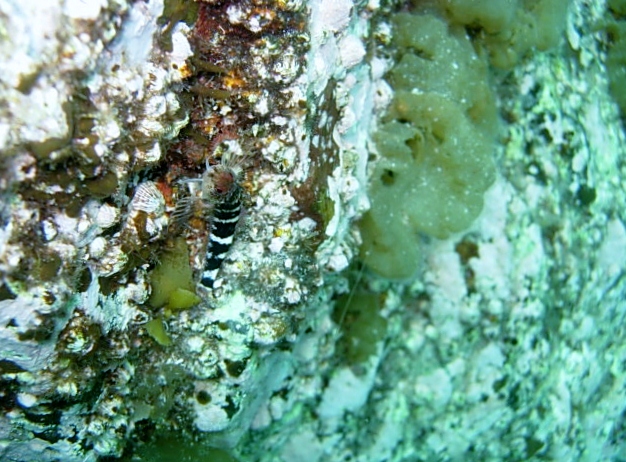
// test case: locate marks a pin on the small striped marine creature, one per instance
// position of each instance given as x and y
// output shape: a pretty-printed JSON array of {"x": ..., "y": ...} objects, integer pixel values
[{"x": 222, "y": 189}]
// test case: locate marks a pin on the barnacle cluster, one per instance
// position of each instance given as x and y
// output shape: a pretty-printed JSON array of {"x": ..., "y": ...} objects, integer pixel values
[
  {"x": 111, "y": 348},
  {"x": 78, "y": 132},
  {"x": 180, "y": 102}
]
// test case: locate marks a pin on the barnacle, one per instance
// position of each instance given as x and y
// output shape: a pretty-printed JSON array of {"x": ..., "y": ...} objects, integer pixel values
[
  {"x": 146, "y": 220},
  {"x": 148, "y": 198}
]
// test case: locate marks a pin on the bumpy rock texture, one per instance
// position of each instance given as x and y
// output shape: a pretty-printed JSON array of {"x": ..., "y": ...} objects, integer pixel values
[{"x": 505, "y": 344}]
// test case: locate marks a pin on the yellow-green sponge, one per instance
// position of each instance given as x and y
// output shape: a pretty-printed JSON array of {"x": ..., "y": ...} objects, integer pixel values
[
  {"x": 509, "y": 29},
  {"x": 436, "y": 143}
]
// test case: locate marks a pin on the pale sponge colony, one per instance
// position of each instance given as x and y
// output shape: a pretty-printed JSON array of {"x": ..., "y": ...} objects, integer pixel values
[
  {"x": 509, "y": 29},
  {"x": 436, "y": 143}
]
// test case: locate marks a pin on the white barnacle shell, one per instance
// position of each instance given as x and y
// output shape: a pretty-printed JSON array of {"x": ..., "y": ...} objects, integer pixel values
[
  {"x": 97, "y": 247},
  {"x": 107, "y": 216},
  {"x": 149, "y": 156},
  {"x": 148, "y": 199},
  {"x": 49, "y": 229}
]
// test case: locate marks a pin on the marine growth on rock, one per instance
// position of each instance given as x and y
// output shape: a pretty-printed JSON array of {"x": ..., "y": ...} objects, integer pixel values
[{"x": 286, "y": 230}]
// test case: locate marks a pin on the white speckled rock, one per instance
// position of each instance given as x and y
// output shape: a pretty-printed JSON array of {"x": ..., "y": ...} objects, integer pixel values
[{"x": 508, "y": 344}]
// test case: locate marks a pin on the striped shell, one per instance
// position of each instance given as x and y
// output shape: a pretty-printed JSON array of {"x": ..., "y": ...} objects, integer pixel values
[{"x": 148, "y": 199}]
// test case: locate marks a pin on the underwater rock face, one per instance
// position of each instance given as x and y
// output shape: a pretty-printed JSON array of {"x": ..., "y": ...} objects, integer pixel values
[
  {"x": 109, "y": 198},
  {"x": 505, "y": 344}
]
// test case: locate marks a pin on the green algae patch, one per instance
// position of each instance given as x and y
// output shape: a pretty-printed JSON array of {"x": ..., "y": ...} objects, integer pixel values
[
  {"x": 156, "y": 330},
  {"x": 175, "y": 11},
  {"x": 182, "y": 299},
  {"x": 43, "y": 149},
  {"x": 48, "y": 266},
  {"x": 436, "y": 143},
  {"x": 104, "y": 186},
  {"x": 616, "y": 55},
  {"x": 167, "y": 446},
  {"x": 362, "y": 325},
  {"x": 172, "y": 274}
]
